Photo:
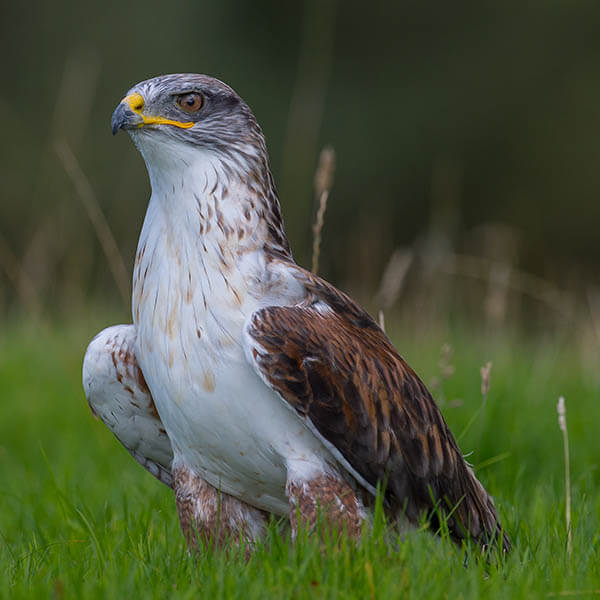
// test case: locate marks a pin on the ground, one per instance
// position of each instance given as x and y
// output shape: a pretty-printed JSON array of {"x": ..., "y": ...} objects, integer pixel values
[{"x": 79, "y": 518}]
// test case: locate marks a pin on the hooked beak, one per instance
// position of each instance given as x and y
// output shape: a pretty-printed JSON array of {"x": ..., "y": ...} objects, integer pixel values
[
  {"x": 124, "y": 118},
  {"x": 128, "y": 115}
]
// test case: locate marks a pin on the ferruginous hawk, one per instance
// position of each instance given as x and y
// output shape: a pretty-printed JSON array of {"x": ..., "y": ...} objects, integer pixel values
[{"x": 247, "y": 384}]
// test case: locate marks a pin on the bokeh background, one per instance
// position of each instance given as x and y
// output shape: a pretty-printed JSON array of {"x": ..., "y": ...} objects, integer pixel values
[
  {"x": 465, "y": 207},
  {"x": 466, "y": 138}
]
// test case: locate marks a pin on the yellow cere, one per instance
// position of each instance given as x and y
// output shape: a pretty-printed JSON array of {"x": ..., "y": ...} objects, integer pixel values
[{"x": 136, "y": 103}]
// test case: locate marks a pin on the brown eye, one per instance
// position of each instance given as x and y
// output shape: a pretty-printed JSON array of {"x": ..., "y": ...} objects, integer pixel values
[{"x": 191, "y": 102}]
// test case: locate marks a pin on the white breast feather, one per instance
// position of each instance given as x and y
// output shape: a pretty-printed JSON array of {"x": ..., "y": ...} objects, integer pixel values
[{"x": 192, "y": 295}]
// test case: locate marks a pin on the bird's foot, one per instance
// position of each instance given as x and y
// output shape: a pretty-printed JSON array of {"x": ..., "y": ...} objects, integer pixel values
[
  {"x": 212, "y": 519},
  {"x": 325, "y": 500}
]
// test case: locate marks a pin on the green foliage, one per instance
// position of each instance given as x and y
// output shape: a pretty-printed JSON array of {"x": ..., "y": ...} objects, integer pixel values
[{"x": 80, "y": 519}]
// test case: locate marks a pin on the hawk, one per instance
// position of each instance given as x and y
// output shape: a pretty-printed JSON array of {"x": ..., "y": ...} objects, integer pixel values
[{"x": 247, "y": 384}]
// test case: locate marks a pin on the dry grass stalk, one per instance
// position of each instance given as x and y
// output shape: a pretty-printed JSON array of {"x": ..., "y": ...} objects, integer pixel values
[
  {"x": 486, "y": 372},
  {"x": 19, "y": 278},
  {"x": 496, "y": 301},
  {"x": 317, "y": 228},
  {"x": 562, "y": 423},
  {"x": 381, "y": 321},
  {"x": 323, "y": 183},
  {"x": 394, "y": 275},
  {"x": 96, "y": 216},
  {"x": 447, "y": 369}
]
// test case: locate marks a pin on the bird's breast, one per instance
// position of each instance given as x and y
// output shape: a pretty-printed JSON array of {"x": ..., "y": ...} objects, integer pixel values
[
  {"x": 189, "y": 309},
  {"x": 189, "y": 305}
]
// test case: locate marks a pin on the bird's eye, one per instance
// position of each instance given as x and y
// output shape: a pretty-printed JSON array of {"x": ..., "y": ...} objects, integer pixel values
[{"x": 191, "y": 102}]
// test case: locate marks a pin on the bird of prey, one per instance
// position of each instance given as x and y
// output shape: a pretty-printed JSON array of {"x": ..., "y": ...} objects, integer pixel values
[{"x": 249, "y": 385}]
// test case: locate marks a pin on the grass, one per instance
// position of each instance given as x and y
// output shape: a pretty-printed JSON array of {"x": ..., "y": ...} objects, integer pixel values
[{"x": 79, "y": 519}]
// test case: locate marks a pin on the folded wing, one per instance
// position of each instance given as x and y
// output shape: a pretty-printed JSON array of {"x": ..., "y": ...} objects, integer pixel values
[
  {"x": 331, "y": 362},
  {"x": 117, "y": 393}
]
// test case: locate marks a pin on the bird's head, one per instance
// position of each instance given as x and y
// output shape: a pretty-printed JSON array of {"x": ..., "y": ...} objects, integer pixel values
[
  {"x": 195, "y": 132},
  {"x": 172, "y": 117}
]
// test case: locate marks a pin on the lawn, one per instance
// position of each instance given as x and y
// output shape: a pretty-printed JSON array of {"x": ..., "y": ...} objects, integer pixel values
[{"x": 80, "y": 519}]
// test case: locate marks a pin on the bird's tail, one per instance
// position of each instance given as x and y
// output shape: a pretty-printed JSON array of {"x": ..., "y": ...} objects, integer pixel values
[{"x": 473, "y": 514}]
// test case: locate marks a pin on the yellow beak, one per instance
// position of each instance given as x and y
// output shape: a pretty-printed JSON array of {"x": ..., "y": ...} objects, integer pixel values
[{"x": 128, "y": 115}]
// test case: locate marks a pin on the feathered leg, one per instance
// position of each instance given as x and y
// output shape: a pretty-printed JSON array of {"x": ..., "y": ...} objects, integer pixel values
[
  {"x": 210, "y": 518},
  {"x": 325, "y": 496}
]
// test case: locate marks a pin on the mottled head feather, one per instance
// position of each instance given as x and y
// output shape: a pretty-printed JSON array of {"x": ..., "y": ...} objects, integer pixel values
[
  {"x": 224, "y": 128},
  {"x": 224, "y": 120}
]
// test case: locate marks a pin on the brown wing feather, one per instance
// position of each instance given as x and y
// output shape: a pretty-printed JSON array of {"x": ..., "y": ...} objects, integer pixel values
[{"x": 337, "y": 368}]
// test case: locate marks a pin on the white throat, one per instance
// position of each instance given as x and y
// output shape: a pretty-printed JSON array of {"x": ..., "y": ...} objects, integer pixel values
[{"x": 200, "y": 250}]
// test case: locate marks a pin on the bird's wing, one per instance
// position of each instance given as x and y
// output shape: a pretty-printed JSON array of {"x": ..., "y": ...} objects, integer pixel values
[
  {"x": 331, "y": 362},
  {"x": 117, "y": 393}
]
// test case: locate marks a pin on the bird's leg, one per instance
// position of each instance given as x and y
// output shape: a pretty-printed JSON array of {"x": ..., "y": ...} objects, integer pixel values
[
  {"x": 326, "y": 499},
  {"x": 210, "y": 518}
]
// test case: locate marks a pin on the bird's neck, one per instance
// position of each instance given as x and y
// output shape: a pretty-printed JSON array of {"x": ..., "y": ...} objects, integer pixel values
[
  {"x": 229, "y": 204},
  {"x": 203, "y": 248}
]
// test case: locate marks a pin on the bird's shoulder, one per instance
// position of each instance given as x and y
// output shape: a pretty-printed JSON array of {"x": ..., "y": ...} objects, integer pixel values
[{"x": 330, "y": 361}]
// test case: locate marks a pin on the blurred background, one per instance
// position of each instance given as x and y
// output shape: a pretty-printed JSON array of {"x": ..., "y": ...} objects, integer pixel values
[
  {"x": 466, "y": 138},
  {"x": 464, "y": 207}
]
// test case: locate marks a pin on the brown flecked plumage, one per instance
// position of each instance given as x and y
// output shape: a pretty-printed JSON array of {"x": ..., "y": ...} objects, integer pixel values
[
  {"x": 275, "y": 391},
  {"x": 334, "y": 365},
  {"x": 328, "y": 498},
  {"x": 117, "y": 393},
  {"x": 210, "y": 518}
]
